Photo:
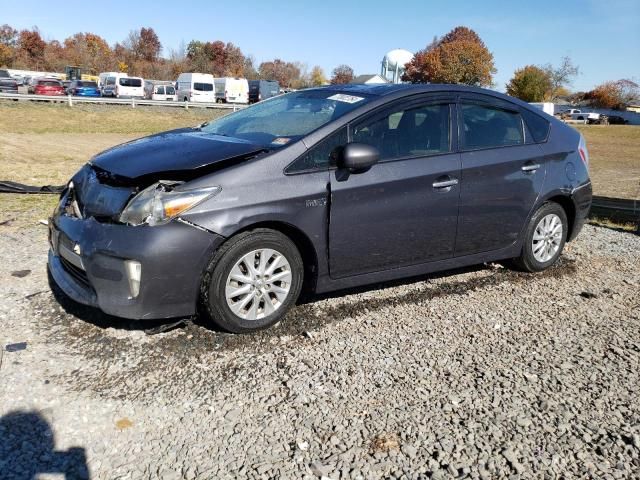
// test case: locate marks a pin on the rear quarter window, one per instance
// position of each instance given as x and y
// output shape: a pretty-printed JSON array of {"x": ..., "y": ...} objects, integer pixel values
[{"x": 538, "y": 126}]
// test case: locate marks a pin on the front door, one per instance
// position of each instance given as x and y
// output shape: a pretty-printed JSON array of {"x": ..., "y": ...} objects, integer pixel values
[{"x": 403, "y": 211}]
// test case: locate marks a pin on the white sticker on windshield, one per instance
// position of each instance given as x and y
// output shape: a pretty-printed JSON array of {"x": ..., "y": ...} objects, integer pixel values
[{"x": 341, "y": 97}]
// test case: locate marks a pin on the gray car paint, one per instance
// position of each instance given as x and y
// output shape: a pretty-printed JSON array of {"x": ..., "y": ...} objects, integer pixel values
[{"x": 345, "y": 221}]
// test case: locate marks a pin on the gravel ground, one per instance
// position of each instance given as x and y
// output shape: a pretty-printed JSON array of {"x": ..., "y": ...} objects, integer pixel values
[{"x": 483, "y": 373}]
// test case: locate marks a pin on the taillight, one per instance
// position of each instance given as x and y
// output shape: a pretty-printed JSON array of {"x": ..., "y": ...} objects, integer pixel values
[{"x": 583, "y": 152}]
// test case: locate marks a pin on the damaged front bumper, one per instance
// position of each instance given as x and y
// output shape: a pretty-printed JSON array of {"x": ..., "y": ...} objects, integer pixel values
[{"x": 88, "y": 261}]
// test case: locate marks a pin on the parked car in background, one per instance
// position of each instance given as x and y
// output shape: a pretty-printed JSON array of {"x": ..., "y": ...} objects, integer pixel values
[
  {"x": 102, "y": 79},
  {"x": 196, "y": 87},
  {"x": 83, "y": 88},
  {"x": 262, "y": 90},
  {"x": 7, "y": 83},
  {"x": 165, "y": 93},
  {"x": 48, "y": 86},
  {"x": 326, "y": 188},
  {"x": 232, "y": 90},
  {"x": 617, "y": 120},
  {"x": 30, "y": 83},
  {"x": 123, "y": 86},
  {"x": 65, "y": 86},
  {"x": 159, "y": 90}
]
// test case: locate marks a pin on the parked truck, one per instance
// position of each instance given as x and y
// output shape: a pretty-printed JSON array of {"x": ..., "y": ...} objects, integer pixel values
[{"x": 579, "y": 115}]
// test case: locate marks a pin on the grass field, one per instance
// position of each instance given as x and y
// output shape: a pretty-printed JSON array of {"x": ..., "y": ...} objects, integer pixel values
[
  {"x": 44, "y": 144},
  {"x": 615, "y": 159}
]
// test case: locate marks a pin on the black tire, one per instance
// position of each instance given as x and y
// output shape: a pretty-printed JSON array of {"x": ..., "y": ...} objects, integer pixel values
[
  {"x": 527, "y": 261},
  {"x": 212, "y": 290}
]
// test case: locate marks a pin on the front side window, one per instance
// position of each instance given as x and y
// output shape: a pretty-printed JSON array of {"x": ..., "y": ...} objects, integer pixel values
[
  {"x": 411, "y": 132},
  {"x": 489, "y": 127},
  {"x": 322, "y": 155}
]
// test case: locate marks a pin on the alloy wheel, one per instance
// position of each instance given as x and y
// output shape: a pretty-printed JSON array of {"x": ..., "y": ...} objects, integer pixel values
[
  {"x": 547, "y": 238},
  {"x": 258, "y": 284}
]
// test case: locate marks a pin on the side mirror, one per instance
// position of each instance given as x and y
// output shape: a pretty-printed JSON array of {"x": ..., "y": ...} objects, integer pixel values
[{"x": 359, "y": 157}]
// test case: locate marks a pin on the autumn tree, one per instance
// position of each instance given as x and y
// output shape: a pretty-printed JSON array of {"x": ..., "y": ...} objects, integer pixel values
[
  {"x": 615, "y": 95},
  {"x": 560, "y": 77},
  {"x": 458, "y": 57},
  {"x": 30, "y": 48},
  {"x": 149, "y": 46},
  {"x": 88, "y": 50},
  {"x": 529, "y": 84},
  {"x": 249, "y": 70},
  {"x": 285, "y": 73},
  {"x": 8, "y": 39},
  {"x": 342, "y": 74},
  {"x": 317, "y": 77},
  {"x": 233, "y": 61}
]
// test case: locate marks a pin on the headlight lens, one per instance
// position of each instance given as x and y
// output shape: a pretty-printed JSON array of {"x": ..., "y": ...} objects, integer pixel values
[{"x": 158, "y": 203}]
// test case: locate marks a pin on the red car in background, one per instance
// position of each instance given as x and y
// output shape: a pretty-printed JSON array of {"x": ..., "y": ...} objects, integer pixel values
[{"x": 48, "y": 86}]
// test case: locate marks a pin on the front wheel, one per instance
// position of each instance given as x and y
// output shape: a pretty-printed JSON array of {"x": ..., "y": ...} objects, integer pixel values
[
  {"x": 544, "y": 238},
  {"x": 252, "y": 281}
]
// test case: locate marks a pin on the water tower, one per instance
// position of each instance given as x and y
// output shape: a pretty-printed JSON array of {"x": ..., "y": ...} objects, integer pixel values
[{"x": 393, "y": 64}]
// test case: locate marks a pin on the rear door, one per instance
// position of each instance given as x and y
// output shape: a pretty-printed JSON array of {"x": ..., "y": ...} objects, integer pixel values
[
  {"x": 502, "y": 175},
  {"x": 403, "y": 211}
]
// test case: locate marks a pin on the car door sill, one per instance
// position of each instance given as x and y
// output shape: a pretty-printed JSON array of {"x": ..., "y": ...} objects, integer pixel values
[{"x": 326, "y": 283}]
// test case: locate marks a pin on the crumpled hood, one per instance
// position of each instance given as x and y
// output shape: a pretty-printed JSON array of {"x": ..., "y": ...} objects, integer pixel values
[{"x": 172, "y": 151}]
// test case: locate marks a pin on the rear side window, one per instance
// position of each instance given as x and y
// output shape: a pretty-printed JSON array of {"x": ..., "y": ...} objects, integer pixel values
[
  {"x": 538, "y": 126},
  {"x": 418, "y": 131},
  {"x": 130, "y": 82},
  {"x": 320, "y": 157},
  {"x": 203, "y": 87},
  {"x": 487, "y": 127}
]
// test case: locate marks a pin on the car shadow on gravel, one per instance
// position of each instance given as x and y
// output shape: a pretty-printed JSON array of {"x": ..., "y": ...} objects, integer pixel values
[
  {"x": 311, "y": 313},
  {"x": 27, "y": 447}
]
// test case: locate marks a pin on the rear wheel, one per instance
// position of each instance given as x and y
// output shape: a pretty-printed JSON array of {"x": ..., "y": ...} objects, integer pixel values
[
  {"x": 544, "y": 238},
  {"x": 252, "y": 281}
]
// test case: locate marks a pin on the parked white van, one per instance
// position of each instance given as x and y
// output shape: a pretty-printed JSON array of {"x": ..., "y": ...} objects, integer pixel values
[
  {"x": 232, "y": 90},
  {"x": 102, "y": 78},
  {"x": 123, "y": 86},
  {"x": 196, "y": 87}
]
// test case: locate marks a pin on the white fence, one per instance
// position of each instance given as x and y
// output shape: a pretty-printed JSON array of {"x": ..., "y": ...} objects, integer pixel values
[{"x": 132, "y": 102}]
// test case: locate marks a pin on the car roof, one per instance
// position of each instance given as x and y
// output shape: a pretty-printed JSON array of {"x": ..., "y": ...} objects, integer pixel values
[{"x": 402, "y": 89}]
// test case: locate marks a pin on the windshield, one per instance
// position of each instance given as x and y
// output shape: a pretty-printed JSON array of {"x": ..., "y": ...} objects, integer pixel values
[
  {"x": 87, "y": 84},
  {"x": 281, "y": 120}
]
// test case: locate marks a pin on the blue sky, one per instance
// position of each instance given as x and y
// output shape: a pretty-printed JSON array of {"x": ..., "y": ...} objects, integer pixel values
[{"x": 601, "y": 36}]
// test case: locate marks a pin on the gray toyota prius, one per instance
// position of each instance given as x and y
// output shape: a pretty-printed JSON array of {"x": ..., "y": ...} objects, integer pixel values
[{"x": 320, "y": 189}]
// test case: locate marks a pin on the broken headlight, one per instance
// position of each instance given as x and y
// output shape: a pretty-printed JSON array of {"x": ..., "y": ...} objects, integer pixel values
[{"x": 159, "y": 203}]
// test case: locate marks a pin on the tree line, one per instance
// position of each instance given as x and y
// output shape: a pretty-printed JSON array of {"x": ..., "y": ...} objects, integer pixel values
[
  {"x": 460, "y": 57},
  {"x": 140, "y": 54}
]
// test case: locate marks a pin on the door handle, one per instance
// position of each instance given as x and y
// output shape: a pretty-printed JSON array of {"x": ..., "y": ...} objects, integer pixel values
[
  {"x": 445, "y": 183},
  {"x": 530, "y": 167}
]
